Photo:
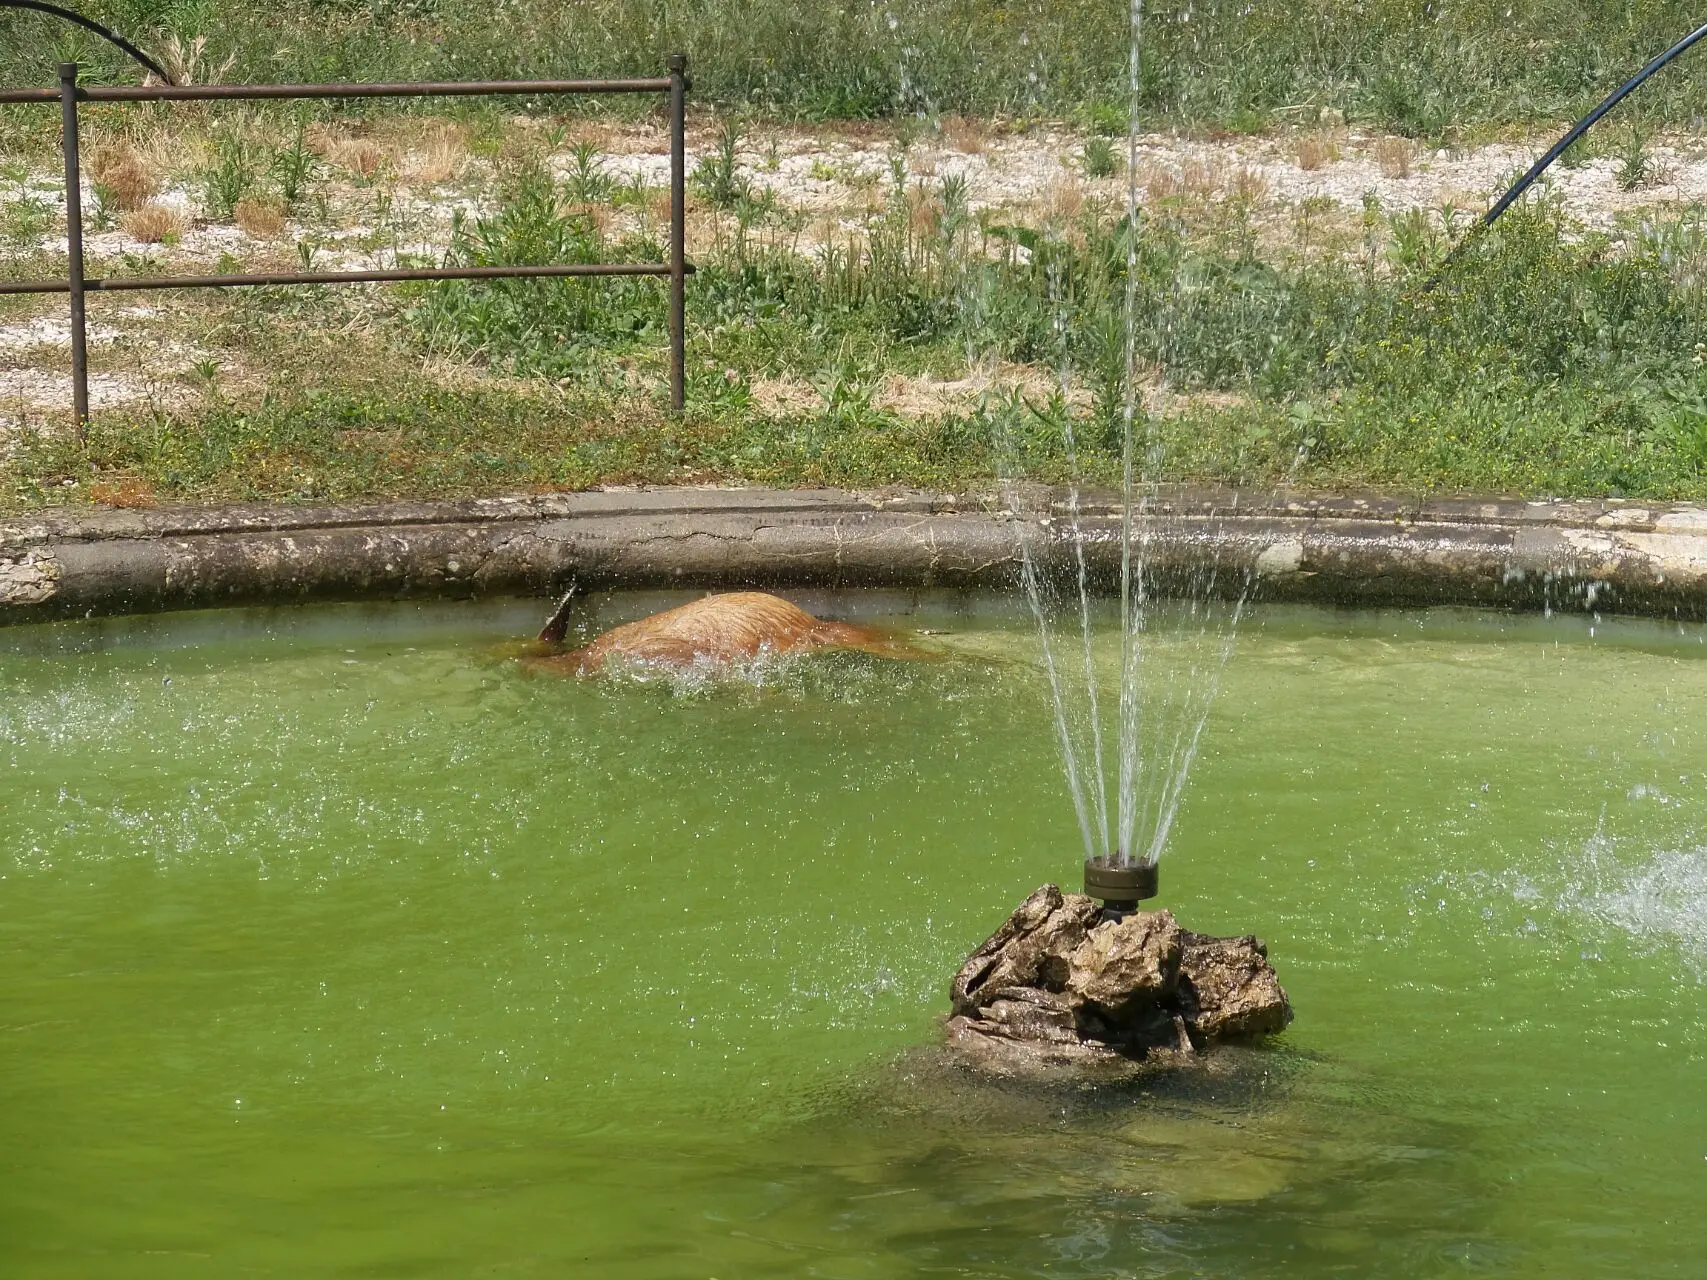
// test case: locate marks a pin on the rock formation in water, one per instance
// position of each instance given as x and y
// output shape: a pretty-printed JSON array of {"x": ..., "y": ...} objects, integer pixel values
[
  {"x": 1059, "y": 986},
  {"x": 722, "y": 629}
]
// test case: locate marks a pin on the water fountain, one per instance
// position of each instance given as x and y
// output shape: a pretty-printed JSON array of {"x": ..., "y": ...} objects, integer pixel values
[{"x": 1091, "y": 979}]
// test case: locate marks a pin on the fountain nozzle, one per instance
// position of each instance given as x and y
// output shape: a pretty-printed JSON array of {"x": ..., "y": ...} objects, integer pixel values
[{"x": 1120, "y": 885}]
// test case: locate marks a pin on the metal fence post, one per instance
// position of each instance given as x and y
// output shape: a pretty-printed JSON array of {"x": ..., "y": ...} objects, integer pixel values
[
  {"x": 74, "y": 242},
  {"x": 678, "y": 230}
]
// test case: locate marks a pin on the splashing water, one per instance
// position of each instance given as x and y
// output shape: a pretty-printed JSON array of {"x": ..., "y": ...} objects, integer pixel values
[
  {"x": 1664, "y": 898},
  {"x": 1171, "y": 655},
  {"x": 1654, "y": 896}
]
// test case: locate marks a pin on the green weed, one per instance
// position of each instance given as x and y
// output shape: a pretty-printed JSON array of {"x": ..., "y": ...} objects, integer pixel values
[
  {"x": 1098, "y": 158},
  {"x": 232, "y": 175},
  {"x": 587, "y": 181},
  {"x": 548, "y": 327},
  {"x": 24, "y": 221},
  {"x": 294, "y": 169},
  {"x": 717, "y": 177},
  {"x": 1635, "y": 162},
  {"x": 1580, "y": 152}
]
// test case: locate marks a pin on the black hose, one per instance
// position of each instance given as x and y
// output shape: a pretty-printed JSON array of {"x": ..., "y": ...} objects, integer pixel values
[
  {"x": 112, "y": 37},
  {"x": 1576, "y": 131},
  {"x": 1582, "y": 126}
]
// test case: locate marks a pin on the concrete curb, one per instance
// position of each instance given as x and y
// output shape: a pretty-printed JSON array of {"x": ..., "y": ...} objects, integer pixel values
[{"x": 1625, "y": 557}]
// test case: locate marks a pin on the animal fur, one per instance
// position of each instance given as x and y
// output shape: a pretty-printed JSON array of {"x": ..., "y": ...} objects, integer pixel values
[{"x": 722, "y": 629}]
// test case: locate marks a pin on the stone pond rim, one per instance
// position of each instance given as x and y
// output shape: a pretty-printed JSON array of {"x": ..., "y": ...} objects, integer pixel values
[{"x": 1613, "y": 556}]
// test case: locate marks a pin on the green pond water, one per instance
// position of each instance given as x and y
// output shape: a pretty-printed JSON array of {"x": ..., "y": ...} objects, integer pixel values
[{"x": 334, "y": 943}]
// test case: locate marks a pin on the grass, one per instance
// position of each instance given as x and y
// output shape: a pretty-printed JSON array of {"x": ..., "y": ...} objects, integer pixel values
[
  {"x": 901, "y": 338},
  {"x": 1411, "y": 68},
  {"x": 1547, "y": 359}
]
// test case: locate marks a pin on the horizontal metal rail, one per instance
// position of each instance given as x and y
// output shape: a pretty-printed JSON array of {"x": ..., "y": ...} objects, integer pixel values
[
  {"x": 71, "y": 96},
  {"x": 121, "y": 283},
  {"x": 261, "y": 92}
]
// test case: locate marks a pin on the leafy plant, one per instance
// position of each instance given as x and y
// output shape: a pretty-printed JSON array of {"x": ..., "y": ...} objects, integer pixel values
[
  {"x": 587, "y": 181},
  {"x": 632, "y": 194},
  {"x": 717, "y": 177},
  {"x": 1415, "y": 242},
  {"x": 539, "y": 327},
  {"x": 294, "y": 169},
  {"x": 231, "y": 176},
  {"x": 1580, "y": 152},
  {"x": 1098, "y": 158},
  {"x": 1106, "y": 119},
  {"x": 1635, "y": 162},
  {"x": 25, "y": 221}
]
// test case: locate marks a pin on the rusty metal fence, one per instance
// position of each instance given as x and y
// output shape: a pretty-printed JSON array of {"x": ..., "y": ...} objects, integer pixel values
[{"x": 70, "y": 95}]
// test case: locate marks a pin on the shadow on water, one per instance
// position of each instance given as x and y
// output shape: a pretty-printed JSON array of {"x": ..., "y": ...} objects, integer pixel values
[{"x": 928, "y": 1167}]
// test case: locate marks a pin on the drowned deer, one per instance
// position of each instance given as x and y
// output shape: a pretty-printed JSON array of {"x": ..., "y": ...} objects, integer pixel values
[{"x": 716, "y": 631}]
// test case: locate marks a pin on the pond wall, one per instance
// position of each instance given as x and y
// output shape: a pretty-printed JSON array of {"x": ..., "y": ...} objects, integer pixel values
[{"x": 1607, "y": 556}]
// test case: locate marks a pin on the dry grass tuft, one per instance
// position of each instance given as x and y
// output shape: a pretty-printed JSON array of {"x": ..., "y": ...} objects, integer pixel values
[
  {"x": 1160, "y": 184},
  {"x": 188, "y": 63},
  {"x": 262, "y": 219},
  {"x": 1206, "y": 181},
  {"x": 924, "y": 212},
  {"x": 361, "y": 156},
  {"x": 153, "y": 224},
  {"x": 441, "y": 157},
  {"x": 785, "y": 397},
  {"x": 600, "y": 133},
  {"x": 1313, "y": 150},
  {"x": 168, "y": 151},
  {"x": 1063, "y": 200},
  {"x": 121, "y": 178},
  {"x": 1248, "y": 184},
  {"x": 128, "y": 492},
  {"x": 320, "y": 138},
  {"x": 1394, "y": 157},
  {"x": 966, "y": 134},
  {"x": 600, "y": 216}
]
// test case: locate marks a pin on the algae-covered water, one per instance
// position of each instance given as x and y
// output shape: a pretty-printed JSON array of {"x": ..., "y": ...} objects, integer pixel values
[{"x": 334, "y": 942}]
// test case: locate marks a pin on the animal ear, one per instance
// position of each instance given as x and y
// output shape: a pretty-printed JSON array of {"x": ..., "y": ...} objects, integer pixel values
[{"x": 557, "y": 625}]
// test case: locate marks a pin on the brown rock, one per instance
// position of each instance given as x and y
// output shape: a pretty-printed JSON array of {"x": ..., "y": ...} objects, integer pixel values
[
  {"x": 1058, "y": 990},
  {"x": 1040, "y": 958},
  {"x": 1029, "y": 950},
  {"x": 726, "y": 628},
  {"x": 1027, "y": 1020},
  {"x": 1128, "y": 967},
  {"x": 981, "y": 1046},
  {"x": 1026, "y": 917},
  {"x": 1228, "y": 989}
]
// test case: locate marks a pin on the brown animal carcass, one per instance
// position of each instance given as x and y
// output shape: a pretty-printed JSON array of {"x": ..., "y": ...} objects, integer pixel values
[{"x": 722, "y": 629}]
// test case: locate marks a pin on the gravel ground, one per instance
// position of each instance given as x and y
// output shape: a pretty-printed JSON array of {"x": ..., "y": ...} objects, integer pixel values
[{"x": 828, "y": 179}]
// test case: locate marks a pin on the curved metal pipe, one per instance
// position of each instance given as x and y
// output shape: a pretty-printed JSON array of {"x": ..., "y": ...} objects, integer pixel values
[{"x": 89, "y": 24}]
